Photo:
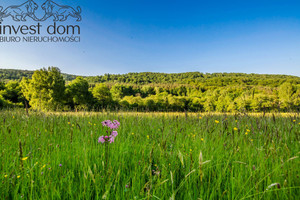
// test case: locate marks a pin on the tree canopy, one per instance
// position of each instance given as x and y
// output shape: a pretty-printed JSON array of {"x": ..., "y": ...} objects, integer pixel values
[{"x": 46, "y": 89}]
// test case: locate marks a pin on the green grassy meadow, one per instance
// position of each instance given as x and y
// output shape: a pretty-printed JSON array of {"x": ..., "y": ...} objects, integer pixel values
[{"x": 154, "y": 156}]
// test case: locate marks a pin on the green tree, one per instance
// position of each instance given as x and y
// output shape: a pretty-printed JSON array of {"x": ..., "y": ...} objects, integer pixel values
[
  {"x": 46, "y": 89},
  {"x": 12, "y": 92},
  {"x": 78, "y": 94},
  {"x": 285, "y": 93},
  {"x": 4, "y": 103},
  {"x": 147, "y": 91},
  {"x": 117, "y": 92},
  {"x": 103, "y": 96},
  {"x": 2, "y": 85}
]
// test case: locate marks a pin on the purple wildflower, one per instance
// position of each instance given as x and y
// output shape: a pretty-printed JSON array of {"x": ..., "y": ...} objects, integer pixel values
[
  {"x": 60, "y": 165},
  {"x": 114, "y": 133},
  {"x": 101, "y": 139},
  {"x": 111, "y": 139},
  {"x": 112, "y": 125}
]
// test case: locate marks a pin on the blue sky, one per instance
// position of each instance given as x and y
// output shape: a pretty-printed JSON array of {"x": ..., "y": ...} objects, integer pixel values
[{"x": 170, "y": 36}]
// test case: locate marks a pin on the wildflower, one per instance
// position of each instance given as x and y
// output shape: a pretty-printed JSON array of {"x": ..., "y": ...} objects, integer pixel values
[
  {"x": 43, "y": 166},
  {"x": 13, "y": 117},
  {"x": 18, "y": 176},
  {"x": 5, "y": 176},
  {"x": 25, "y": 158},
  {"x": 294, "y": 120},
  {"x": 127, "y": 186},
  {"x": 169, "y": 164},
  {"x": 132, "y": 133},
  {"x": 248, "y": 130},
  {"x": 235, "y": 128},
  {"x": 112, "y": 125},
  {"x": 217, "y": 121},
  {"x": 69, "y": 123},
  {"x": 111, "y": 139},
  {"x": 246, "y": 133},
  {"x": 200, "y": 117},
  {"x": 147, "y": 136},
  {"x": 251, "y": 140},
  {"x": 60, "y": 165},
  {"x": 94, "y": 124},
  {"x": 114, "y": 133},
  {"x": 202, "y": 139},
  {"x": 101, "y": 139},
  {"x": 42, "y": 173},
  {"x": 191, "y": 150}
]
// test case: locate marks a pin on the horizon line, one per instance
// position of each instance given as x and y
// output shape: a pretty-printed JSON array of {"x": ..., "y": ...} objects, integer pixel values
[{"x": 32, "y": 70}]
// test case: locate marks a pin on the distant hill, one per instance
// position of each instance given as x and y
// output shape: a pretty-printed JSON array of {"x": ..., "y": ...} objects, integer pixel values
[
  {"x": 17, "y": 74},
  {"x": 148, "y": 91},
  {"x": 145, "y": 78}
]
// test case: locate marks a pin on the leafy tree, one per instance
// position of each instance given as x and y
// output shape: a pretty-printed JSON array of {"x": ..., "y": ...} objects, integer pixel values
[
  {"x": 102, "y": 94},
  {"x": 147, "y": 91},
  {"x": 285, "y": 93},
  {"x": 46, "y": 89},
  {"x": 12, "y": 92},
  {"x": 2, "y": 85},
  {"x": 117, "y": 92},
  {"x": 4, "y": 103},
  {"x": 78, "y": 94}
]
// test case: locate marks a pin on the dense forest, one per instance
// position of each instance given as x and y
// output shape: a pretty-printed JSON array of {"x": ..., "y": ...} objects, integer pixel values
[
  {"x": 17, "y": 75},
  {"x": 49, "y": 89}
]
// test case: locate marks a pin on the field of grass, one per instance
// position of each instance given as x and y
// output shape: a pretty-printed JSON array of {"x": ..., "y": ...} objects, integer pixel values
[{"x": 154, "y": 156}]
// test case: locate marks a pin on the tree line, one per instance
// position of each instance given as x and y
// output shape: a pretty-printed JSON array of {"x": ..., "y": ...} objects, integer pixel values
[{"x": 50, "y": 90}]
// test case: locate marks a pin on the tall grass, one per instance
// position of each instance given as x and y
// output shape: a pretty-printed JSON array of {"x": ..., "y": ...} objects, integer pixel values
[{"x": 155, "y": 156}]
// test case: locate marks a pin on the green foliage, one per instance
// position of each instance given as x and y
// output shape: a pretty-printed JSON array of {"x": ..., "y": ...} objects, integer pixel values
[
  {"x": 78, "y": 94},
  {"x": 117, "y": 92},
  {"x": 285, "y": 94},
  {"x": 46, "y": 89},
  {"x": 12, "y": 92},
  {"x": 18, "y": 75},
  {"x": 5, "y": 103},
  {"x": 102, "y": 94},
  {"x": 2, "y": 85},
  {"x": 192, "y": 91}
]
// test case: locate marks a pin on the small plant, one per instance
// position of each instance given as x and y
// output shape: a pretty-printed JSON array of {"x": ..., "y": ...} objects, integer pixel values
[{"x": 105, "y": 139}]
